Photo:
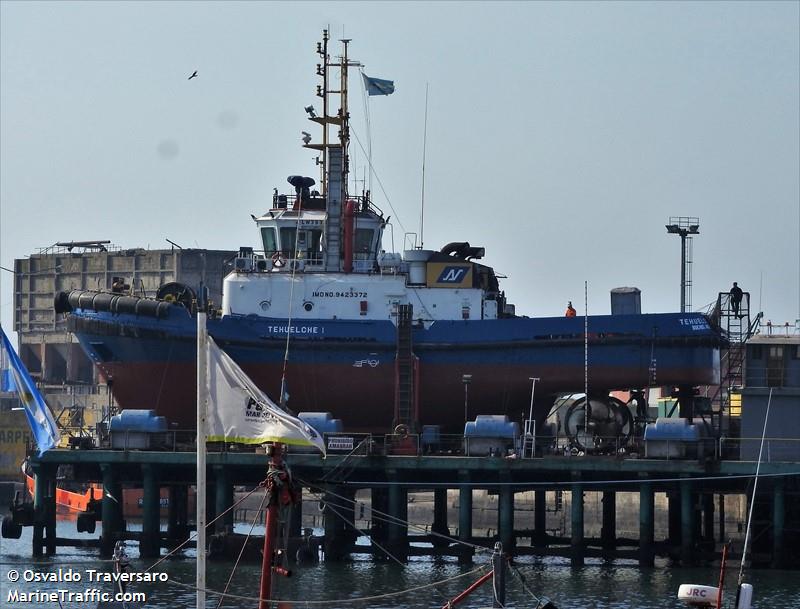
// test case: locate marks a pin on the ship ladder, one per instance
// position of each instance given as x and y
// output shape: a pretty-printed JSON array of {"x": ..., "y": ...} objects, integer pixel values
[
  {"x": 737, "y": 329},
  {"x": 405, "y": 394}
]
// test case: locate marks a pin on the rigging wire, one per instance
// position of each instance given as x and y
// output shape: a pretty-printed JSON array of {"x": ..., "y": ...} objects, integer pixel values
[
  {"x": 294, "y": 262},
  {"x": 390, "y": 519},
  {"x": 191, "y": 537},
  {"x": 241, "y": 551},
  {"x": 753, "y": 500},
  {"x": 377, "y": 177}
]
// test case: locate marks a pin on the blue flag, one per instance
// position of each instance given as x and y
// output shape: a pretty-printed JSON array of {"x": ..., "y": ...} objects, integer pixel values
[
  {"x": 39, "y": 416},
  {"x": 378, "y": 86}
]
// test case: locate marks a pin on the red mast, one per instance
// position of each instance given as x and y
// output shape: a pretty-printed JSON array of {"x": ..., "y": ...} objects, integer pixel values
[{"x": 280, "y": 494}]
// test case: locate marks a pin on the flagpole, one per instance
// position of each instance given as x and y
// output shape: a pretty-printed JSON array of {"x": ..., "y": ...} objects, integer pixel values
[{"x": 200, "y": 495}]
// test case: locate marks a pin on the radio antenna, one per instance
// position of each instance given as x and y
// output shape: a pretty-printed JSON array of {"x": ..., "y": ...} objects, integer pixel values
[{"x": 424, "y": 145}]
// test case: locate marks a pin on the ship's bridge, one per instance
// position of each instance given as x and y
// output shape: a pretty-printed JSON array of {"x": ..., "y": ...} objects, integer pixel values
[{"x": 289, "y": 234}]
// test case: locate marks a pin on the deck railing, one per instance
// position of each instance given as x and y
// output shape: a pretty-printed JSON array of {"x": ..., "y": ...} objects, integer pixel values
[{"x": 455, "y": 445}]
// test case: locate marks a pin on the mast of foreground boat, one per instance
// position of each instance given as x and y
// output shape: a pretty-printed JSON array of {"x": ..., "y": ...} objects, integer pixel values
[
  {"x": 202, "y": 408},
  {"x": 740, "y": 581}
]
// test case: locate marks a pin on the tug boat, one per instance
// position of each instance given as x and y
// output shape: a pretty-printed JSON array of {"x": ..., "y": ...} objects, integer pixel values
[{"x": 378, "y": 338}]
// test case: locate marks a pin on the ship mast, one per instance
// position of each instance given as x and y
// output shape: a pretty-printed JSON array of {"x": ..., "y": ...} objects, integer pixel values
[{"x": 335, "y": 161}]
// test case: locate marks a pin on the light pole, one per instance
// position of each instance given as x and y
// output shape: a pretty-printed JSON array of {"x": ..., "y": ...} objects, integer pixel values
[
  {"x": 685, "y": 226},
  {"x": 466, "y": 379}
]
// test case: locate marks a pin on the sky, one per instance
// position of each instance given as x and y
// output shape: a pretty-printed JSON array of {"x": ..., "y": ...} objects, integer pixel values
[{"x": 560, "y": 136}]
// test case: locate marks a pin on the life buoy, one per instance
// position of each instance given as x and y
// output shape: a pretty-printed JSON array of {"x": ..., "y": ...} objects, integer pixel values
[{"x": 278, "y": 260}]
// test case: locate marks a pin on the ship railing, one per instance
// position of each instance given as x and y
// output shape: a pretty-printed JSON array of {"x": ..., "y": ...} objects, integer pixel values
[
  {"x": 776, "y": 450},
  {"x": 767, "y": 328}
]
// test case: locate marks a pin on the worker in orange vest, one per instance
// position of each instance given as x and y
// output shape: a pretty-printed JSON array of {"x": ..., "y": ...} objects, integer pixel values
[{"x": 571, "y": 312}]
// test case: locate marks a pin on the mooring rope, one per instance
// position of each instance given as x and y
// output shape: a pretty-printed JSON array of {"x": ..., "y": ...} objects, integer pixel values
[
  {"x": 323, "y": 603},
  {"x": 391, "y": 519},
  {"x": 194, "y": 534}
]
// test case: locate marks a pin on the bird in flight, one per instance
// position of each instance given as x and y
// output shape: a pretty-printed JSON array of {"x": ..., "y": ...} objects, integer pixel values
[{"x": 194, "y": 75}]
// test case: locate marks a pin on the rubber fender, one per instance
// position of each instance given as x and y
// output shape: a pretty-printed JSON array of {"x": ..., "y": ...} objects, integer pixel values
[{"x": 11, "y": 530}]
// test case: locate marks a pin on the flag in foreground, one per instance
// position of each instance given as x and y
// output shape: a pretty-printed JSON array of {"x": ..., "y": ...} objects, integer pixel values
[
  {"x": 378, "y": 86},
  {"x": 39, "y": 417},
  {"x": 238, "y": 411}
]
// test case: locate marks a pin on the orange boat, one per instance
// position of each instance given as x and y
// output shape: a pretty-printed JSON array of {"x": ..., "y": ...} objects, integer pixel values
[{"x": 71, "y": 500}]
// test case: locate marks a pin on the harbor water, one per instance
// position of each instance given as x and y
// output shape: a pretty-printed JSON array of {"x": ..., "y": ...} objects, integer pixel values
[{"x": 598, "y": 585}]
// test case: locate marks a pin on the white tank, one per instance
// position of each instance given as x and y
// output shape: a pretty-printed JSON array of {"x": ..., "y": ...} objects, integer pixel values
[
  {"x": 417, "y": 263},
  {"x": 698, "y": 596},
  {"x": 745, "y": 596}
]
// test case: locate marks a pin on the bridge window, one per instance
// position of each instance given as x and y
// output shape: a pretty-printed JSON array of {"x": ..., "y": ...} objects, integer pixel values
[
  {"x": 363, "y": 244},
  {"x": 270, "y": 242},
  {"x": 308, "y": 243}
]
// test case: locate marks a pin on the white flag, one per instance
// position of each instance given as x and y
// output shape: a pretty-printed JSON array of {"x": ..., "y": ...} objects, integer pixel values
[{"x": 238, "y": 411}]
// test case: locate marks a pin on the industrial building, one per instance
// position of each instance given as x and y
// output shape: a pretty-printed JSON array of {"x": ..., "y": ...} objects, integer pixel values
[{"x": 67, "y": 377}]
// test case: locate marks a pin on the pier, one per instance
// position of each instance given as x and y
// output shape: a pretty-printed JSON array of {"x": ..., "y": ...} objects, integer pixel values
[{"x": 692, "y": 491}]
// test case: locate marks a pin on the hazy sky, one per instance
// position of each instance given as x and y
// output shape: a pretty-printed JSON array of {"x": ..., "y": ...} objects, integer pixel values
[{"x": 560, "y": 136}]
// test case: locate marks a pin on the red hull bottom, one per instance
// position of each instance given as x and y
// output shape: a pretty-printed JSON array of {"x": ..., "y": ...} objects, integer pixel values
[{"x": 364, "y": 397}]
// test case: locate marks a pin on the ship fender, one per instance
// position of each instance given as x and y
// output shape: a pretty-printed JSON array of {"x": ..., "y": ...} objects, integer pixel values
[
  {"x": 66, "y": 302},
  {"x": 11, "y": 529},
  {"x": 698, "y": 596}
]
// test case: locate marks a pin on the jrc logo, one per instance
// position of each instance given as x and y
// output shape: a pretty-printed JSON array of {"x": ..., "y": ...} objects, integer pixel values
[{"x": 452, "y": 274}]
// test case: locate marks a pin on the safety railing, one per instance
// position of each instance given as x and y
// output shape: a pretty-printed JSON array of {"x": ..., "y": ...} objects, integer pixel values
[{"x": 416, "y": 445}]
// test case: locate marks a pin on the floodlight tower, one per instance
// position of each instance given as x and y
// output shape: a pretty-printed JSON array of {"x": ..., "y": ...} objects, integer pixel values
[{"x": 685, "y": 226}]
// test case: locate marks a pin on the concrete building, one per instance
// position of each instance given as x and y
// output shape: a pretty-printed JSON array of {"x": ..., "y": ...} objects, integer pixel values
[
  {"x": 54, "y": 358},
  {"x": 772, "y": 364}
]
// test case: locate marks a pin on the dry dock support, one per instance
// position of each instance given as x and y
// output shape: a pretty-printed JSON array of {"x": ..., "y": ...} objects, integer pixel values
[
  {"x": 608, "y": 532},
  {"x": 398, "y": 512},
  {"x": 539, "y": 518},
  {"x": 439, "y": 525},
  {"x": 646, "y": 523},
  {"x": 150, "y": 543},
  {"x": 577, "y": 541},
  {"x": 505, "y": 517},
  {"x": 223, "y": 499},
  {"x": 111, "y": 511},
  {"x": 778, "y": 522},
  {"x": 465, "y": 517},
  {"x": 44, "y": 508},
  {"x": 687, "y": 523},
  {"x": 688, "y": 484}
]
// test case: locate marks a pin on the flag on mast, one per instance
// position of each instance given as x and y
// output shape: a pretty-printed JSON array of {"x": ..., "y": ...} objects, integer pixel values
[
  {"x": 378, "y": 86},
  {"x": 240, "y": 412},
  {"x": 16, "y": 378}
]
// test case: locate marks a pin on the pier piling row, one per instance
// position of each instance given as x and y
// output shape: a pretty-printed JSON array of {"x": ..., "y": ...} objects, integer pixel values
[{"x": 695, "y": 524}]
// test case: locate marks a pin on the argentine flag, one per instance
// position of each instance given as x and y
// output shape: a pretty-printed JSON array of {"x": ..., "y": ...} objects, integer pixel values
[
  {"x": 39, "y": 416},
  {"x": 378, "y": 86}
]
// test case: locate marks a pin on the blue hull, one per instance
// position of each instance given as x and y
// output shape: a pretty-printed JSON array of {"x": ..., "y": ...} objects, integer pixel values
[{"x": 348, "y": 367}]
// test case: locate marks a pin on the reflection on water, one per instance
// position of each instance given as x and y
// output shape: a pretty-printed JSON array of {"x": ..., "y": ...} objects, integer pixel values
[{"x": 595, "y": 586}]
